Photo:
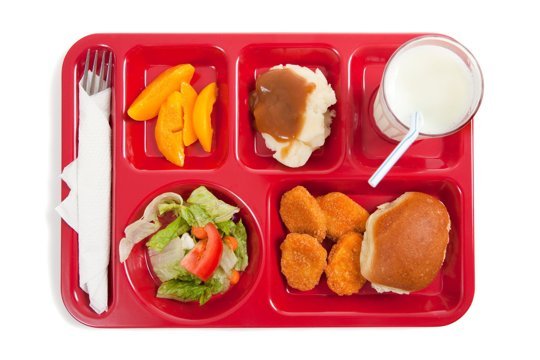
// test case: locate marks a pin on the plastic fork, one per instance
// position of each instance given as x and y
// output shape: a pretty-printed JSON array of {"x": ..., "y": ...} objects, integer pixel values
[{"x": 89, "y": 82}]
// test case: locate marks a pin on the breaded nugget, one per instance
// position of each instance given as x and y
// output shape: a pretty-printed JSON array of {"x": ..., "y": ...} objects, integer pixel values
[
  {"x": 302, "y": 214},
  {"x": 303, "y": 260},
  {"x": 342, "y": 214},
  {"x": 343, "y": 270}
]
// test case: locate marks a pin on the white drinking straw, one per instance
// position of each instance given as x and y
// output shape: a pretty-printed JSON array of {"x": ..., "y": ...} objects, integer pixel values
[{"x": 416, "y": 122}]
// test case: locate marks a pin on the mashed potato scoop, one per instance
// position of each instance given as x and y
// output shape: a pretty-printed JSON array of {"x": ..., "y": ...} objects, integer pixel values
[{"x": 291, "y": 109}]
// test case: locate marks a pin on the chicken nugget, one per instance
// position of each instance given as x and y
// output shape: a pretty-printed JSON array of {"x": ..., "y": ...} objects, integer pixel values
[
  {"x": 343, "y": 270},
  {"x": 302, "y": 214},
  {"x": 303, "y": 260},
  {"x": 342, "y": 214}
]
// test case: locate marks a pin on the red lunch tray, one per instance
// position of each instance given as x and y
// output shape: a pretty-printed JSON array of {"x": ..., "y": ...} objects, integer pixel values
[{"x": 241, "y": 171}]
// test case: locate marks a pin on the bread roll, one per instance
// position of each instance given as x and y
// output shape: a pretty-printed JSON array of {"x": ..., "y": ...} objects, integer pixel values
[{"x": 405, "y": 243}]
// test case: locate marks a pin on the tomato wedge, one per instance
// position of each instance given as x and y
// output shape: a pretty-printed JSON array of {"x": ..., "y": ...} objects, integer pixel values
[{"x": 204, "y": 258}]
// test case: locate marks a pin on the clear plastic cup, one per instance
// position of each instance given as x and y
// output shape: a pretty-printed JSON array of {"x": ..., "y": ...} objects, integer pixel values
[{"x": 386, "y": 109}]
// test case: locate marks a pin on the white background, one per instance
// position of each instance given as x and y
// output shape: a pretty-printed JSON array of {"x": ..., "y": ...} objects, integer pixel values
[{"x": 505, "y": 312}]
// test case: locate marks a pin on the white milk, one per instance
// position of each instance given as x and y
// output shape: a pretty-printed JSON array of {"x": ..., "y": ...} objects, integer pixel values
[{"x": 433, "y": 80}]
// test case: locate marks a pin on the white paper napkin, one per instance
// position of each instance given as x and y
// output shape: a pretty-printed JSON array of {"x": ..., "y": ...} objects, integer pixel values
[{"x": 87, "y": 208}]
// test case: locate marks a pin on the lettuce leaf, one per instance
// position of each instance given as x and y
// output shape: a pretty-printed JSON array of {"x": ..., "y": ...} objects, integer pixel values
[
  {"x": 190, "y": 290},
  {"x": 195, "y": 215},
  {"x": 225, "y": 227},
  {"x": 164, "y": 236},
  {"x": 221, "y": 277},
  {"x": 147, "y": 225},
  {"x": 166, "y": 207},
  {"x": 218, "y": 210},
  {"x": 184, "y": 275},
  {"x": 200, "y": 216},
  {"x": 228, "y": 260},
  {"x": 166, "y": 264},
  {"x": 238, "y": 231}
]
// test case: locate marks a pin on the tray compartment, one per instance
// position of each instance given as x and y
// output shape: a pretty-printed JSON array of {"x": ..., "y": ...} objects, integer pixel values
[
  {"x": 145, "y": 284},
  {"x": 76, "y": 300},
  {"x": 444, "y": 294},
  {"x": 368, "y": 147},
  {"x": 258, "y": 58},
  {"x": 142, "y": 65}
]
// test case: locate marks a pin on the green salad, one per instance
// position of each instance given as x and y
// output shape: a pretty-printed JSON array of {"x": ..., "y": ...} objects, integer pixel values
[{"x": 200, "y": 253}]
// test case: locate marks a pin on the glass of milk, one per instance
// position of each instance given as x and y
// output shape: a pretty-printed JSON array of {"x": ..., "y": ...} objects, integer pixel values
[{"x": 434, "y": 75}]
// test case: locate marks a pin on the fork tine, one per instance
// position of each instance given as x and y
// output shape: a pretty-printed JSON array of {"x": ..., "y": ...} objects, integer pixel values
[
  {"x": 84, "y": 80},
  {"x": 109, "y": 66},
  {"x": 102, "y": 72},
  {"x": 94, "y": 68}
]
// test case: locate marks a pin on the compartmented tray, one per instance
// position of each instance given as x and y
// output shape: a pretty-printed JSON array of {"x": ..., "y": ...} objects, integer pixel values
[{"x": 240, "y": 170}]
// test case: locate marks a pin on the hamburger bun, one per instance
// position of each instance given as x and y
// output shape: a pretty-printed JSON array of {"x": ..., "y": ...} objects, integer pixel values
[{"x": 405, "y": 243}]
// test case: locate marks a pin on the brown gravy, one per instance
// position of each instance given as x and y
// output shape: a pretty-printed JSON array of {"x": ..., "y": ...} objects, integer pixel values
[{"x": 278, "y": 103}]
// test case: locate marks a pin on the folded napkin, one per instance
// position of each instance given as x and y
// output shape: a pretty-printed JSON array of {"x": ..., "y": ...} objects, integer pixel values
[{"x": 87, "y": 208}]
